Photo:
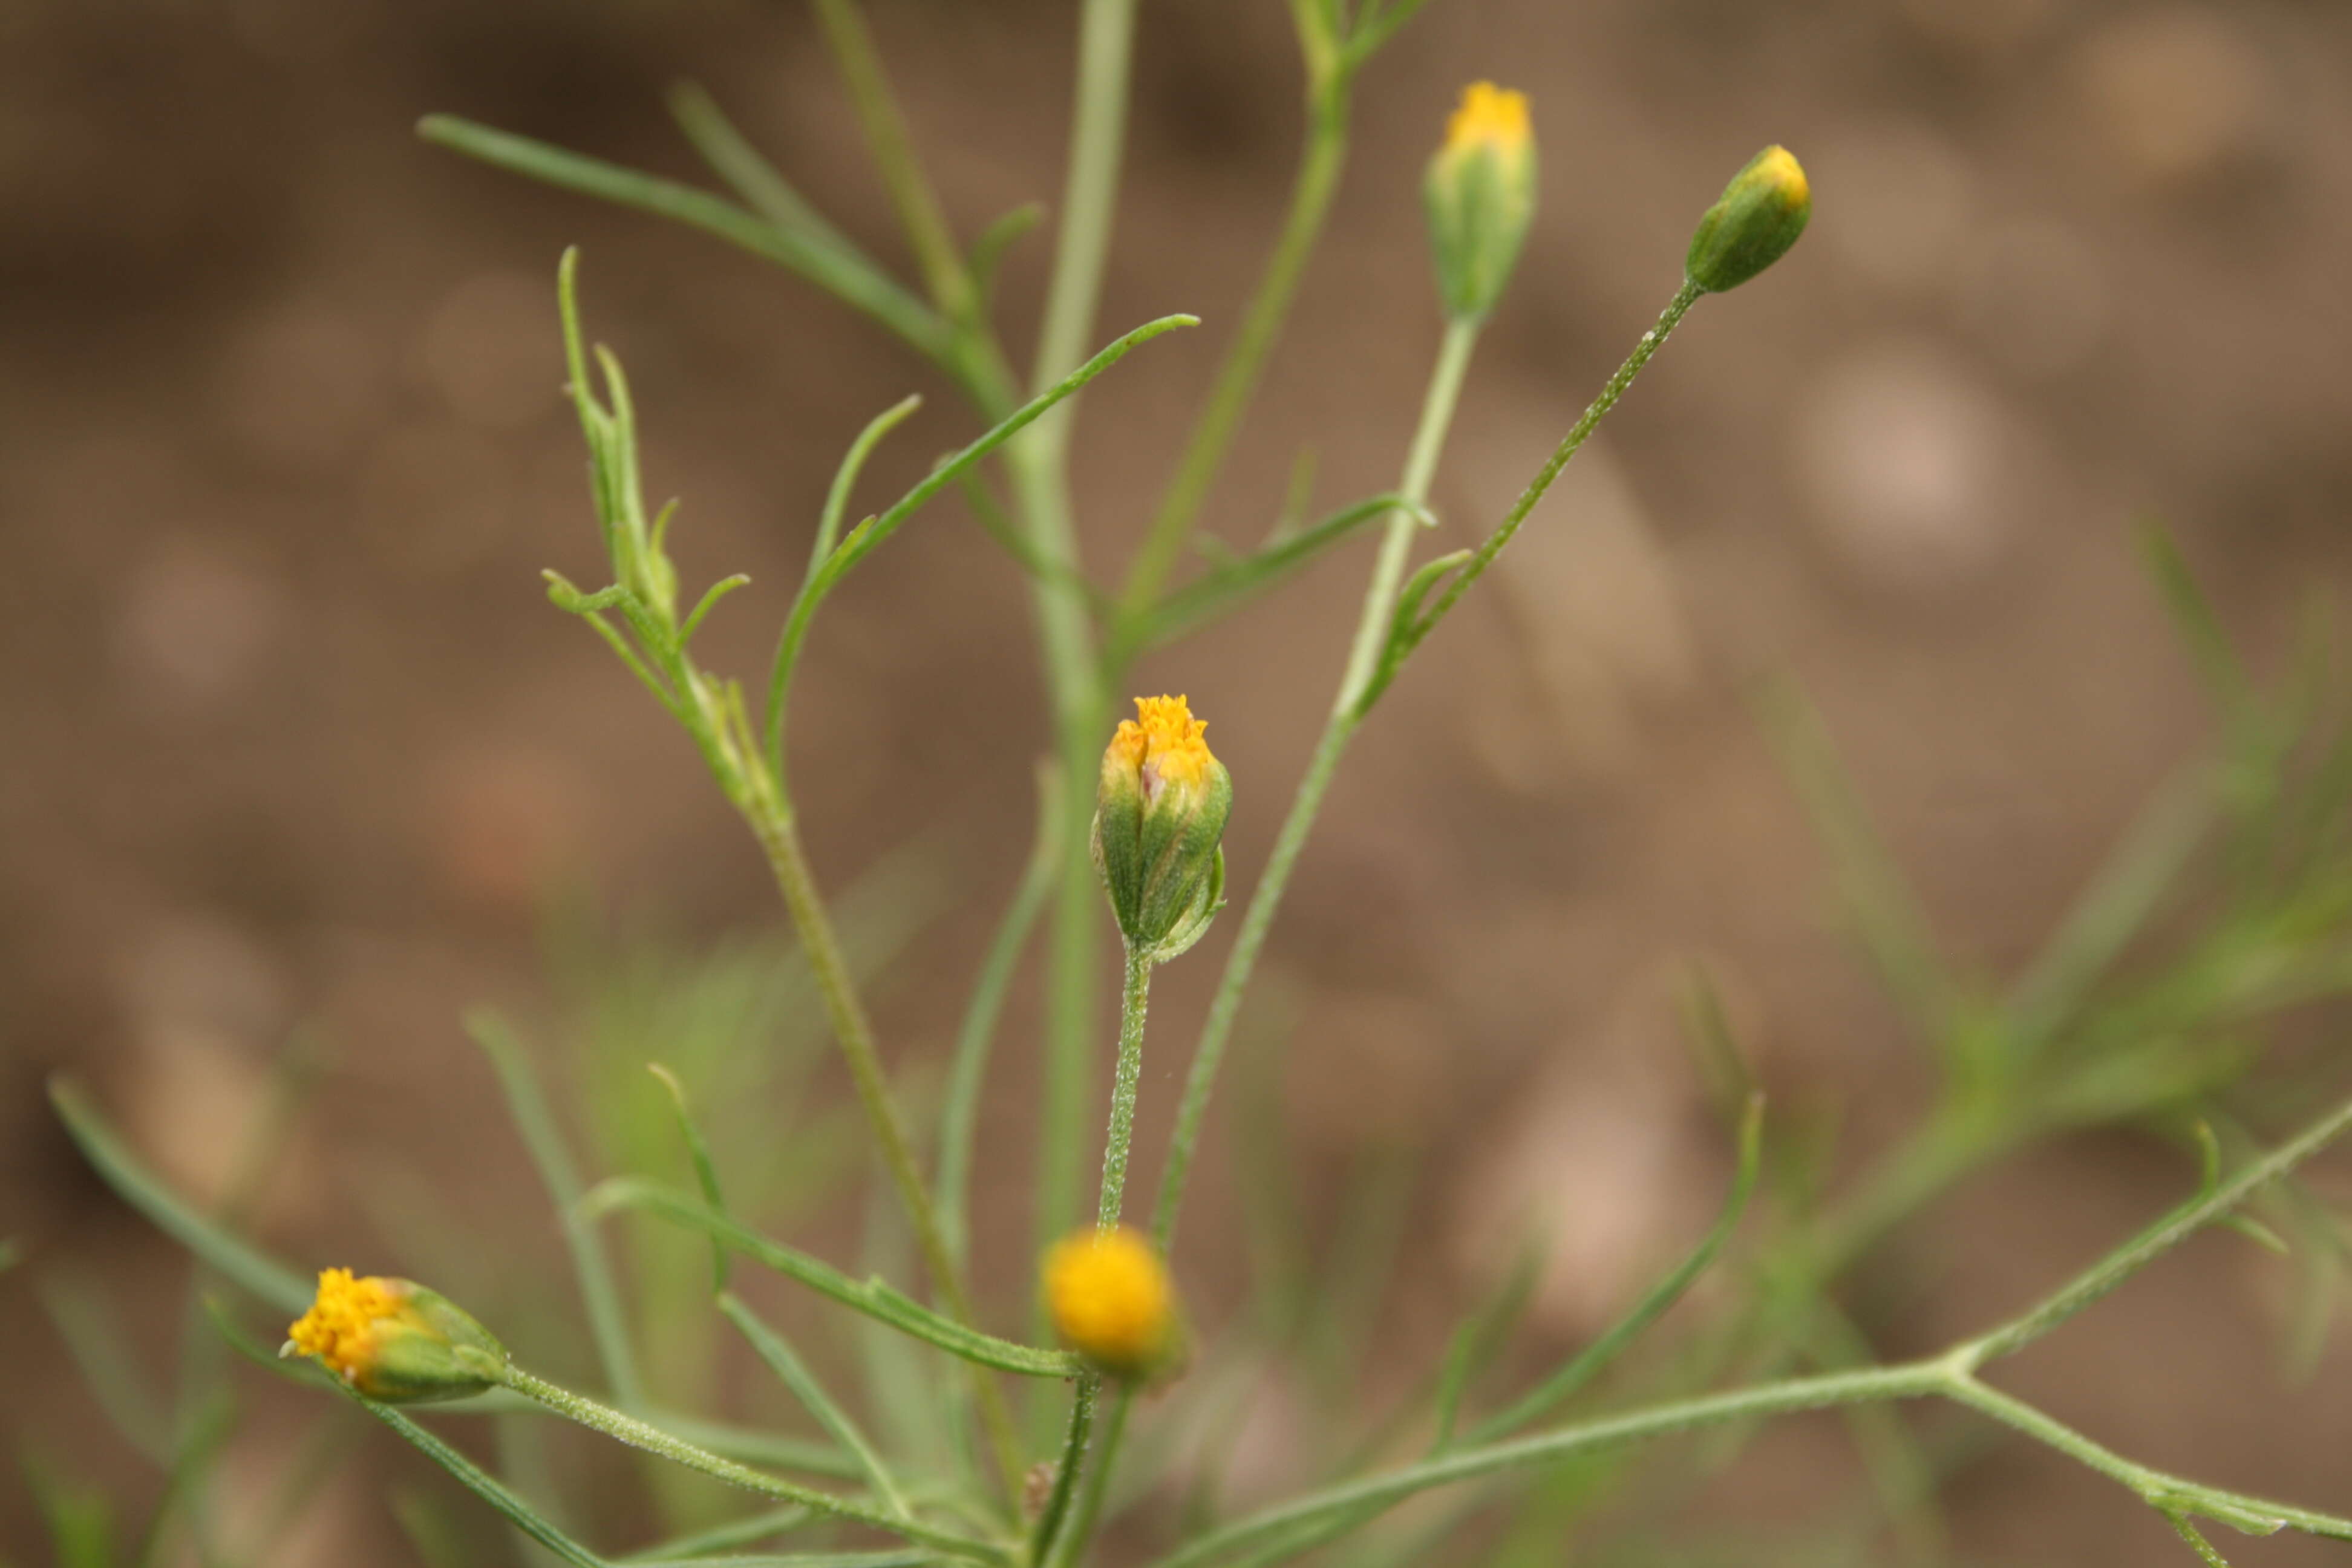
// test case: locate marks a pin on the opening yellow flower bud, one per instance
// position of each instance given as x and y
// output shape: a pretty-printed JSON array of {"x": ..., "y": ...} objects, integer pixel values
[
  {"x": 1111, "y": 1301},
  {"x": 394, "y": 1340},
  {"x": 1160, "y": 806},
  {"x": 1480, "y": 194}
]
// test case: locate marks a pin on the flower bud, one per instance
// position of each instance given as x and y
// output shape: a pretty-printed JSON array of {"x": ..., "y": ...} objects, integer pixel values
[
  {"x": 1480, "y": 192},
  {"x": 1111, "y": 1301},
  {"x": 395, "y": 1340},
  {"x": 1758, "y": 218},
  {"x": 1160, "y": 811}
]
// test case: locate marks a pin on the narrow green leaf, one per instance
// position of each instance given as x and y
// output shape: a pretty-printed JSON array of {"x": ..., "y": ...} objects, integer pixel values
[
  {"x": 874, "y": 1298},
  {"x": 1580, "y": 1370},
  {"x": 840, "y": 274},
  {"x": 1886, "y": 915},
  {"x": 1228, "y": 587},
  {"x": 2127, "y": 891},
  {"x": 870, "y": 535},
  {"x": 2226, "y": 680},
  {"x": 743, "y": 1532},
  {"x": 535, "y": 1121},
  {"x": 235, "y": 1258},
  {"x": 760, "y": 184},
  {"x": 783, "y": 1361},
  {"x": 481, "y": 1483},
  {"x": 706, "y": 1172}
]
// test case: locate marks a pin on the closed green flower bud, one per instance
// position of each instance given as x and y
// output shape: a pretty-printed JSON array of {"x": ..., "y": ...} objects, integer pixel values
[
  {"x": 1759, "y": 217},
  {"x": 1159, "y": 814},
  {"x": 395, "y": 1340},
  {"x": 1481, "y": 195}
]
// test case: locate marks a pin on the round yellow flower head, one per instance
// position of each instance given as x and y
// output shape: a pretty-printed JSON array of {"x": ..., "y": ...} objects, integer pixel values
[
  {"x": 1111, "y": 1301},
  {"x": 1480, "y": 195},
  {"x": 1160, "y": 817},
  {"x": 394, "y": 1340},
  {"x": 1495, "y": 116}
]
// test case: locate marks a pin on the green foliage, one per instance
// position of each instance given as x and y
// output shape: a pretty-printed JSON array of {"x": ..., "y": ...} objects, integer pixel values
[{"x": 2224, "y": 909}]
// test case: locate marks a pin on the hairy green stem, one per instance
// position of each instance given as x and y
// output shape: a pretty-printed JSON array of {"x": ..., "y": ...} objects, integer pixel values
[
  {"x": 780, "y": 841},
  {"x": 637, "y": 1434},
  {"x": 1134, "y": 998},
  {"x": 1363, "y": 655}
]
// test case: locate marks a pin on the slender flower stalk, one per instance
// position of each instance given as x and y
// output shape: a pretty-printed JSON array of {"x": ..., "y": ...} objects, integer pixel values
[{"x": 1363, "y": 657}]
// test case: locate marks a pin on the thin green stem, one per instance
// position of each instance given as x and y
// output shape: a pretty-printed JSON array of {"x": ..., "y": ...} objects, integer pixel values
[
  {"x": 1039, "y": 467},
  {"x": 1133, "y": 1000},
  {"x": 1135, "y": 997},
  {"x": 1614, "y": 388},
  {"x": 1096, "y": 1481},
  {"x": 1380, "y": 596},
  {"x": 1319, "y": 167},
  {"x": 637, "y": 1434},
  {"x": 847, "y": 1012},
  {"x": 1047, "y": 1535},
  {"x": 894, "y": 150}
]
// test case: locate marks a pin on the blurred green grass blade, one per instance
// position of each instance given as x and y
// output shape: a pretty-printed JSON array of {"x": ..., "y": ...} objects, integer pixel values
[
  {"x": 535, "y": 1121},
  {"x": 236, "y": 1260},
  {"x": 431, "y": 1530},
  {"x": 79, "y": 1520},
  {"x": 206, "y": 1433},
  {"x": 1361, "y": 1267},
  {"x": 11, "y": 1254},
  {"x": 706, "y": 1172},
  {"x": 874, "y": 1298},
  {"x": 2117, "y": 905},
  {"x": 735, "y": 1533},
  {"x": 1886, "y": 916},
  {"x": 1227, "y": 587},
  {"x": 2217, "y": 662},
  {"x": 482, "y": 1484},
  {"x": 1581, "y": 1369},
  {"x": 760, "y": 184},
  {"x": 909, "y": 1558},
  {"x": 775, "y": 1351},
  {"x": 85, "y": 1319},
  {"x": 842, "y": 274},
  {"x": 1481, "y": 1336},
  {"x": 989, "y": 250},
  {"x": 967, "y": 1069}
]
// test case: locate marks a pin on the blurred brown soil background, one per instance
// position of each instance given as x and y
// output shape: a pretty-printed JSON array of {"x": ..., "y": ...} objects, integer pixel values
[{"x": 288, "y": 732}]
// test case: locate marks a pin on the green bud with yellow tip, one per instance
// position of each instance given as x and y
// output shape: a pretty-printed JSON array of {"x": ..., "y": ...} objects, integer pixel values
[
  {"x": 1160, "y": 806},
  {"x": 1480, "y": 194},
  {"x": 1752, "y": 225},
  {"x": 395, "y": 1340}
]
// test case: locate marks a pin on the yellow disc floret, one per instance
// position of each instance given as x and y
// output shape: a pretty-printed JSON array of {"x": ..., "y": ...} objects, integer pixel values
[
  {"x": 342, "y": 1328},
  {"x": 1110, "y": 1299},
  {"x": 1163, "y": 739},
  {"x": 1490, "y": 115},
  {"x": 394, "y": 1340}
]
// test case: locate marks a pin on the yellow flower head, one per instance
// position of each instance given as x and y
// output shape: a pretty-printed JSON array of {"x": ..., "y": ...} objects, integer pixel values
[
  {"x": 1160, "y": 806},
  {"x": 1111, "y": 1301},
  {"x": 1480, "y": 197},
  {"x": 1163, "y": 745},
  {"x": 1489, "y": 116},
  {"x": 394, "y": 1340}
]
